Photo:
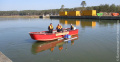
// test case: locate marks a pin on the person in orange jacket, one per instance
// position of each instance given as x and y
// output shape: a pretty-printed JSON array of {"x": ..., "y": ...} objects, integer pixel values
[{"x": 59, "y": 28}]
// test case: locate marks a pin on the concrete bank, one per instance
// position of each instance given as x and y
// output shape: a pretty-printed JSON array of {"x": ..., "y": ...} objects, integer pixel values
[
  {"x": 87, "y": 17},
  {"x": 3, "y": 58}
]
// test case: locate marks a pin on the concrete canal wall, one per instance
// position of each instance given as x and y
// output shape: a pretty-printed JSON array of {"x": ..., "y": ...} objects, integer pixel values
[
  {"x": 3, "y": 58},
  {"x": 86, "y": 17}
]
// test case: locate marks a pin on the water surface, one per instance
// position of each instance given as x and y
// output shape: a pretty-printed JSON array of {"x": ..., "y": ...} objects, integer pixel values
[{"x": 96, "y": 41}]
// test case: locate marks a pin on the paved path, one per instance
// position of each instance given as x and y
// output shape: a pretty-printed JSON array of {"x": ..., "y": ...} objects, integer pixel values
[{"x": 3, "y": 58}]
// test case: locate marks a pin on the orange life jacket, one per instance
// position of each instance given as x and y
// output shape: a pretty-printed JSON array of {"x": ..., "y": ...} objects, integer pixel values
[
  {"x": 60, "y": 48},
  {"x": 59, "y": 27},
  {"x": 51, "y": 26},
  {"x": 52, "y": 49}
]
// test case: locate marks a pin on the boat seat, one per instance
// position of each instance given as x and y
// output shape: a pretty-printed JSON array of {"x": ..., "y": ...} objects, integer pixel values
[
  {"x": 65, "y": 30},
  {"x": 55, "y": 31}
]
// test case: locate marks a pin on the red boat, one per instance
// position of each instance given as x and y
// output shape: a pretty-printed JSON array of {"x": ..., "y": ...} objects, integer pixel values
[{"x": 45, "y": 36}]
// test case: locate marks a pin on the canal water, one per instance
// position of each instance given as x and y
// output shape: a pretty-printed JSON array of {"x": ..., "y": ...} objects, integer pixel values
[{"x": 97, "y": 41}]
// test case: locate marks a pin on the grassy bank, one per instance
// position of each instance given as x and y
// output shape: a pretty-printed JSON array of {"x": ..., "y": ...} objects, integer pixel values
[{"x": 21, "y": 16}]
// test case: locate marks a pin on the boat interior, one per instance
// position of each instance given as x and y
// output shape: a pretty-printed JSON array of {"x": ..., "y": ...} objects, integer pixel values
[{"x": 54, "y": 31}]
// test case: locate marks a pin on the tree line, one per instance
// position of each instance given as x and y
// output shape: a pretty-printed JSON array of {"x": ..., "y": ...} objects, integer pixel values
[{"x": 101, "y": 8}]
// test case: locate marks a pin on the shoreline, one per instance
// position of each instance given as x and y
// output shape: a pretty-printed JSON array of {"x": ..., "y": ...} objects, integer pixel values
[{"x": 32, "y": 16}]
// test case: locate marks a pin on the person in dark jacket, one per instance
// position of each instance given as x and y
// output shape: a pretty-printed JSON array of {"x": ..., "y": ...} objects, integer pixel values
[
  {"x": 72, "y": 27},
  {"x": 50, "y": 28}
]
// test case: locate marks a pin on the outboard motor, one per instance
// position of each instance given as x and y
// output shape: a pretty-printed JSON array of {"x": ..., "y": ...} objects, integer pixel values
[{"x": 74, "y": 28}]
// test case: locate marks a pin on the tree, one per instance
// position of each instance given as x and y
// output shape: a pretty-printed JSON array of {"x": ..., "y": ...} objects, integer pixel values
[
  {"x": 89, "y": 8},
  {"x": 118, "y": 9},
  {"x": 112, "y": 8},
  {"x": 100, "y": 8},
  {"x": 106, "y": 8},
  {"x": 62, "y": 8},
  {"x": 83, "y": 4}
]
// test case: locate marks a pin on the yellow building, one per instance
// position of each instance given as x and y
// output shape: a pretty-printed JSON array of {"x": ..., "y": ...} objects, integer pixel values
[
  {"x": 88, "y": 13},
  {"x": 73, "y": 13},
  {"x": 64, "y": 13}
]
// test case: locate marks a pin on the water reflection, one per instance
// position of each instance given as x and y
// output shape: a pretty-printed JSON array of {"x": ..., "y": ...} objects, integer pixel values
[
  {"x": 107, "y": 22},
  {"x": 42, "y": 46},
  {"x": 88, "y": 24},
  {"x": 74, "y": 22},
  {"x": 79, "y": 22}
]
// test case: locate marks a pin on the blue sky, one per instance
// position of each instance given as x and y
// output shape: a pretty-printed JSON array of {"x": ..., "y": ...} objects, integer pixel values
[{"x": 6, "y": 5}]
